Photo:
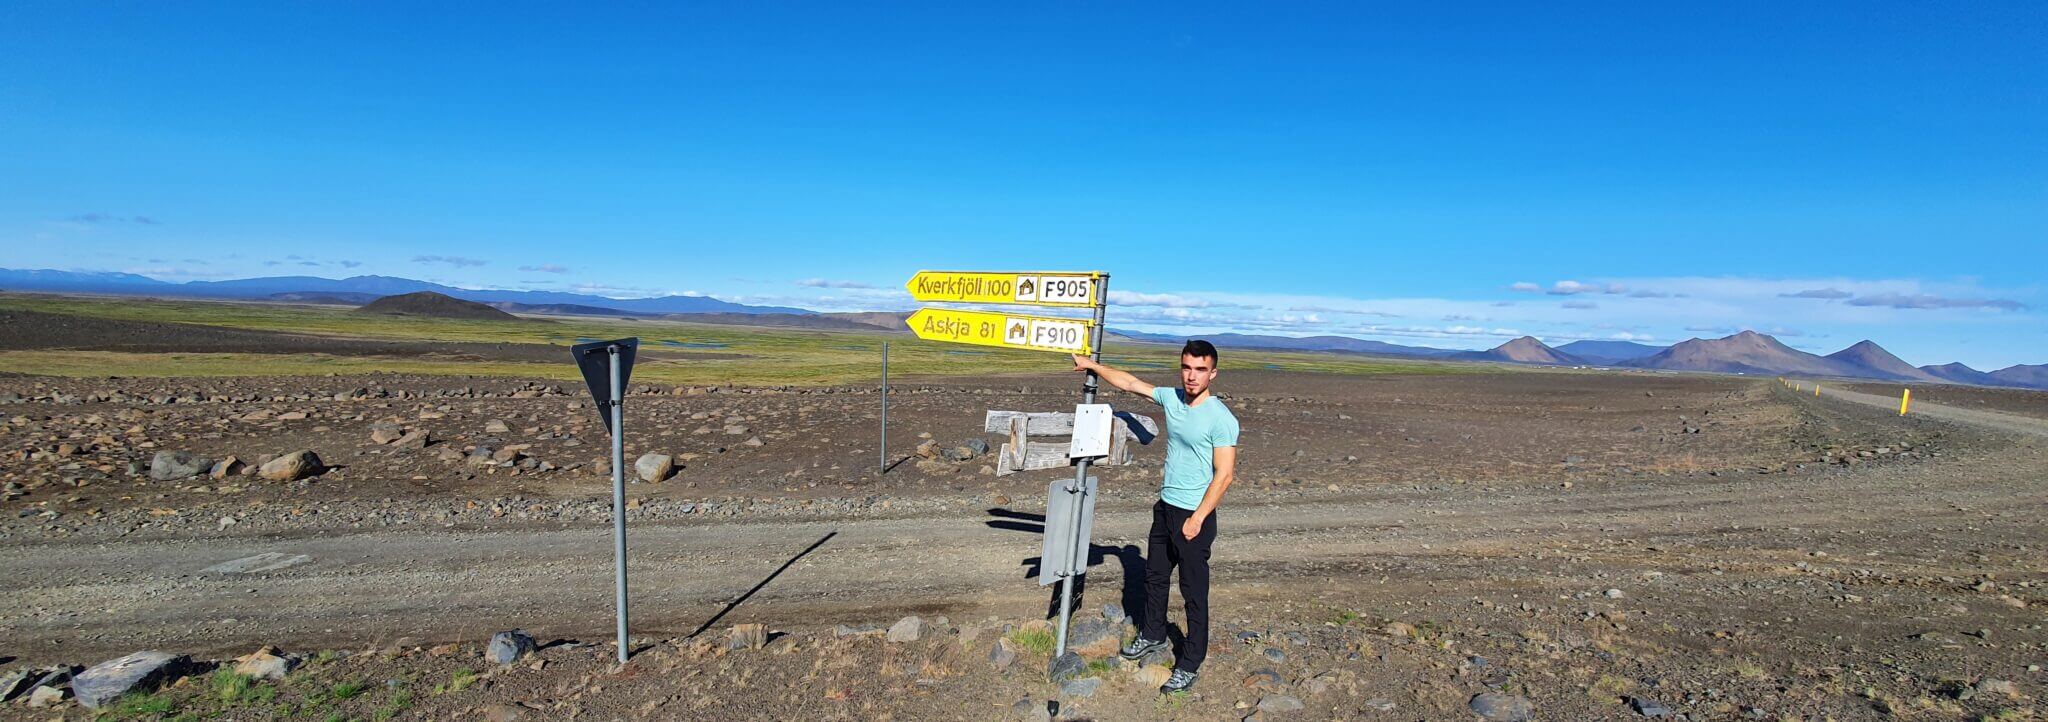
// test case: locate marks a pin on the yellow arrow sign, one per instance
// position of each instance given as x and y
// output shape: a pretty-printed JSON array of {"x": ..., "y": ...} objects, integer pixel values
[
  {"x": 1029, "y": 333},
  {"x": 1037, "y": 289}
]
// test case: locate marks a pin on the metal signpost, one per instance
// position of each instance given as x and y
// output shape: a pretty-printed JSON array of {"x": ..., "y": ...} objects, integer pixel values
[
  {"x": 606, "y": 365},
  {"x": 883, "y": 467},
  {"x": 1069, "y": 506}
]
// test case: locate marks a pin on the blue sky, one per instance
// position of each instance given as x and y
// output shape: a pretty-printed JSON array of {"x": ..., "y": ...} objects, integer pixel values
[{"x": 1424, "y": 175}]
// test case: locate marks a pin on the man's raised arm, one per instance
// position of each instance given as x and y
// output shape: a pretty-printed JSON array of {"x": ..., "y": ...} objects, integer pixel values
[{"x": 1115, "y": 378}]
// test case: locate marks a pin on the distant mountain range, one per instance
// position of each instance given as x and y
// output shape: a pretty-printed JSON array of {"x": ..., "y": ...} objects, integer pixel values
[
  {"x": 355, "y": 289},
  {"x": 1747, "y": 352}
]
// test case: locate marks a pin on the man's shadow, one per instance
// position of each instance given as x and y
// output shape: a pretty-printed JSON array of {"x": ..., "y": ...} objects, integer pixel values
[{"x": 1129, "y": 556}]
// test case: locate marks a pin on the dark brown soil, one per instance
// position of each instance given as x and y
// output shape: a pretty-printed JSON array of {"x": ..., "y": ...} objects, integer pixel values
[
  {"x": 30, "y": 330},
  {"x": 434, "y": 305}
]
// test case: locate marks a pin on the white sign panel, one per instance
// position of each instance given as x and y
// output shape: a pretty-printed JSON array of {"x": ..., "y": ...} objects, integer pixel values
[
  {"x": 1093, "y": 427},
  {"x": 1069, "y": 335}
]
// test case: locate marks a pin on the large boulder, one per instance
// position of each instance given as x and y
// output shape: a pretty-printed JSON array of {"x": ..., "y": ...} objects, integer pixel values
[
  {"x": 655, "y": 467},
  {"x": 291, "y": 467},
  {"x": 138, "y": 672},
  {"x": 175, "y": 465}
]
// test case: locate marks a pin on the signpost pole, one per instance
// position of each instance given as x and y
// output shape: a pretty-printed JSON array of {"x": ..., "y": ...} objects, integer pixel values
[
  {"x": 1081, "y": 474},
  {"x": 619, "y": 494},
  {"x": 883, "y": 466}
]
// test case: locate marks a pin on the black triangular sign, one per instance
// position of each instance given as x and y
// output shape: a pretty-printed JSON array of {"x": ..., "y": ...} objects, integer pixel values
[{"x": 595, "y": 361}]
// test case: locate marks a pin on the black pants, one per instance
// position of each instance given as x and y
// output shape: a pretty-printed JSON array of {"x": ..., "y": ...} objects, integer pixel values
[{"x": 1167, "y": 549}]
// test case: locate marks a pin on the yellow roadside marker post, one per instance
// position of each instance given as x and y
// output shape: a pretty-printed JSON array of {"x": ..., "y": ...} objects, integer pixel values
[
  {"x": 1816, "y": 389},
  {"x": 1905, "y": 400}
]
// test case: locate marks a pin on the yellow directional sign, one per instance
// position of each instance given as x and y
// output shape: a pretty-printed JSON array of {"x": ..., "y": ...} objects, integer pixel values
[
  {"x": 1037, "y": 289},
  {"x": 1029, "y": 333}
]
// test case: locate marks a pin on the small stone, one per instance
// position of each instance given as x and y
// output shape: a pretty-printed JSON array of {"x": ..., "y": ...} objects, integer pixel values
[
  {"x": 1399, "y": 629},
  {"x": 752, "y": 441},
  {"x": 1615, "y": 594},
  {"x": 1502, "y": 707},
  {"x": 1648, "y": 707},
  {"x": 1279, "y": 703},
  {"x": 264, "y": 663},
  {"x": 748, "y": 636},
  {"x": 175, "y": 465},
  {"x": 1002, "y": 654},
  {"x": 654, "y": 467},
  {"x": 385, "y": 433},
  {"x": 1265, "y": 679},
  {"x": 1380, "y": 704},
  {"x": 509, "y": 647},
  {"x": 46, "y": 697},
  {"x": 1996, "y": 687},
  {"x": 226, "y": 467},
  {"x": 1274, "y": 655},
  {"x": 907, "y": 629},
  {"x": 502, "y": 712},
  {"x": 291, "y": 467},
  {"x": 1114, "y": 612},
  {"x": 1082, "y": 687},
  {"x": 1029, "y": 711},
  {"x": 414, "y": 439},
  {"x": 1065, "y": 667},
  {"x": 495, "y": 426}
]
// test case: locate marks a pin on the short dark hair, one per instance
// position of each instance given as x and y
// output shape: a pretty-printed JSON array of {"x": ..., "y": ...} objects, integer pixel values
[{"x": 1201, "y": 349}]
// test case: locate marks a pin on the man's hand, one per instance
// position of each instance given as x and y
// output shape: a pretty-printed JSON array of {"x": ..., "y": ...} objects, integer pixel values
[
  {"x": 1192, "y": 527},
  {"x": 1115, "y": 378}
]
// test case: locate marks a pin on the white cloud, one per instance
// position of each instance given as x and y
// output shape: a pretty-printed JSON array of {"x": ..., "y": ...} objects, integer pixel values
[{"x": 828, "y": 283}]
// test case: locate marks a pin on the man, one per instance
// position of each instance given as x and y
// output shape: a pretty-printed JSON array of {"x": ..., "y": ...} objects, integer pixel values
[{"x": 1201, "y": 458}]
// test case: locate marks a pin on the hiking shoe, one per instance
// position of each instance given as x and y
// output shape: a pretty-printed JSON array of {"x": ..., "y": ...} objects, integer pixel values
[
  {"x": 1141, "y": 646},
  {"x": 1179, "y": 682}
]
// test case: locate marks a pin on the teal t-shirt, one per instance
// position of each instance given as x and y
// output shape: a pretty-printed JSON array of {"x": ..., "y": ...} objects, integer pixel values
[{"x": 1192, "y": 435}]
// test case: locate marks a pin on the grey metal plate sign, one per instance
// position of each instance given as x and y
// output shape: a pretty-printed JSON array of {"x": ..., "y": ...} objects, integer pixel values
[
  {"x": 595, "y": 363},
  {"x": 1065, "y": 549}
]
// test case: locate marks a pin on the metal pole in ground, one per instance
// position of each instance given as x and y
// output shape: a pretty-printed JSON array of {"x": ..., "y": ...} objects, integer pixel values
[
  {"x": 883, "y": 466},
  {"x": 619, "y": 495},
  {"x": 1081, "y": 474}
]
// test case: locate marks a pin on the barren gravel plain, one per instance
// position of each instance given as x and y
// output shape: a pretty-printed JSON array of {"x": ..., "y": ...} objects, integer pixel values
[{"x": 1572, "y": 545}]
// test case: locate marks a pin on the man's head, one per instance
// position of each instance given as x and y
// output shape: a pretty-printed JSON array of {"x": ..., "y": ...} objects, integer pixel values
[{"x": 1197, "y": 367}]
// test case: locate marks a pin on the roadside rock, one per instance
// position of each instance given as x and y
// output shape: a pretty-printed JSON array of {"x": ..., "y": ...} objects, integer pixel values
[
  {"x": 1152, "y": 675},
  {"x": 1083, "y": 687},
  {"x": 1500, "y": 707},
  {"x": 509, "y": 647},
  {"x": 141, "y": 671},
  {"x": 654, "y": 467},
  {"x": 265, "y": 663},
  {"x": 175, "y": 465},
  {"x": 291, "y": 467},
  {"x": 414, "y": 439},
  {"x": 495, "y": 426},
  {"x": 747, "y": 636},
  {"x": 1002, "y": 654},
  {"x": 1095, "y": 637},
  {"x": 907, "y": 629},
  {"x": 45, "y": 697},
  {"x": 227, "y": 467},
  {"x": 1272, "y": 704},
  {"x": 385, "y": 433}
]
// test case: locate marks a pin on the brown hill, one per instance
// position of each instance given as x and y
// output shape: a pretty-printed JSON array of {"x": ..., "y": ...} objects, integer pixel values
[
  {"x": 1961, "y": 373},
  {"x": 434, "y": 305},
  {"x": 1524, "y": 350},
  {"x": 2033, "y": 377},
  {"x": 1878, "y": 363},
  {"x": 1748, "y": 352}
]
